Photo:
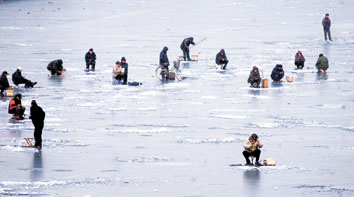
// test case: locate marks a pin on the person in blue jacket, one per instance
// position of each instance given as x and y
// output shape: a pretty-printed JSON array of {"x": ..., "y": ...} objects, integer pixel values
[{"x": 277, "y": 73}]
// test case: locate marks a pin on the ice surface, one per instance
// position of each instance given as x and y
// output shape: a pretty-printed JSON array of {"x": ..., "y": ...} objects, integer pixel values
[{"x": 179, "y": 138}]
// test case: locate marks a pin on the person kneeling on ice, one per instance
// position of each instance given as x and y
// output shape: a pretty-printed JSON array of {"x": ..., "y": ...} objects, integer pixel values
[
  {"x": 56, "y": 67},
  {"x": 124, "y": 65},
  {"x": 4, "y": 83},
  {"x": 185, "y": 48},
  {"x": 17, "y": 79},
  {"x": 299, "y": 60},
  {"x": 277, "y": 73},
  {"x": 255, "y": 78},
  {"x": 16, "y": 108},
  {"x": 164, "y": 59},
  {"x": 322, "y": 63},
  {"x": 37, "y": 116},
  {"x": 221, "y": 59},
  {"x": 118, "y": 73},
  {"x": 252, "y": 146},
  {"x": 90, "y": 59}
]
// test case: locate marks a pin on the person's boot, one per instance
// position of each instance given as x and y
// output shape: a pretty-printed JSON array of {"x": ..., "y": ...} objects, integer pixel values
[
  {"x": 258, "y": 164},
  {"x": 34, "y": 83}
]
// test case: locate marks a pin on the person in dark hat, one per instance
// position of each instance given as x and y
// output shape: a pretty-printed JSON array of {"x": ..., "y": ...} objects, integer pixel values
[
  {"x": 17, "y": 79},
  {"x": 252, "y": 146},
  {"x": 37, "y": 116},
  {"x": 164, "y": 59},
  {"x": 90, "y": 59},
  {"x": 16, "y": 108},
  {"x": 4, "y": 83},
  {"x": 326, "y": 23},
  {"x": 124, "y": 64},
  {"x": 322, "y": 63},
  {"x": 185, "y": 47},
  {"x": 277, "y": 73}
]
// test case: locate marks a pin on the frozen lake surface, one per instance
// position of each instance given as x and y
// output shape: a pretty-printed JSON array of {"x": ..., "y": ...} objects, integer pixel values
[{"x": 179, "y": 138}]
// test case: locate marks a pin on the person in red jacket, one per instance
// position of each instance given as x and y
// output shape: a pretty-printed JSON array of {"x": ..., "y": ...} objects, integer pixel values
[{"x": 16, "y": 108}]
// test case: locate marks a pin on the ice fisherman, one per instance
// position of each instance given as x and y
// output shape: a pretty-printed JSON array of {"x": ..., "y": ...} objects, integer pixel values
[
  {"x": 322, "y": 63},
  {"x": 118, "y": 73},
  {"x": 56, "y": 67},
  {"x": 255, "y": 78},
  {"x": 277, "y": 73},
  {"x": 164, "y": 59},
  {"x": 37, "y": 116},
  {"x": 299, "y": 60},
  {"x": 185, "y": 48},
  {"x": 90, "y": 59},
  {"x": 326, "y": 23},
  {"x": 4, "y": 83},
  {"x": 16, "y": 108},
  {"x": 252, "y": 146},
  {"x": 17, "y": 79},
  {"x": 124, "y": 64},
  {"x": 221, "y": 59}
]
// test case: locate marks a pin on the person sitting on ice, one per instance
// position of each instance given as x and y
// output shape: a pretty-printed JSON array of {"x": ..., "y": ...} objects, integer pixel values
[
  {"x": 90, "y": 59},
  {"x": 124, "y": 65},
  {"x": 118, "y": 73},
  {"x": 16, "y": 108},
  {"x": 299, "y": 60},
  {"x": 17, "y": 79},
  {"x": 277, "y": 73},
  {"x": 252, "y": 146},
  {"x": 221, "y": 59},
  {"x": 255, "y": 78},
  {"x": 56, "y": 67},
  {"x": 322, "y": 63}
]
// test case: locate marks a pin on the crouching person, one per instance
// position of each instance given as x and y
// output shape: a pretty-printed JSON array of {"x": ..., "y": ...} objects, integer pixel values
[
  {"x": 252, "y": 146},
  {"x": 16, "y": 108}
]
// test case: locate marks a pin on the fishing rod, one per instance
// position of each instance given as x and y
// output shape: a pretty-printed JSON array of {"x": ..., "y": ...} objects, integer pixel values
[{"x": 198, "y": 42}]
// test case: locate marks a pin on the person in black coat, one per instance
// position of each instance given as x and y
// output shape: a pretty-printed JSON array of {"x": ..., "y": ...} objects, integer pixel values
[
  {"x": 185, "y": 48},
  {"x": 4, "y": 83},
  {"x": 37, "y": 116},
  {"x": 90, "y": 59},
  {"x": 124, "y": 64},
  {"x": 56, "y": 67},
  {"x": 164, "y": 59},
  {"x": 326, "y": 23},
  {"x": 221, "y": 59},
  {"x": 17, "y": 79},
  {"x": 277, "y": 73}
]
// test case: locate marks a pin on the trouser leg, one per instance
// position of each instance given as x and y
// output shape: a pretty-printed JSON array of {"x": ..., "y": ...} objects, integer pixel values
[
  {"x": 188, "y": 55},
  {"x": 325, "y": 33},
  {"x": 257, "y": 154},
  {"x": 38, "y": 134},
  {"x": 93, "y": 65},
  {"x": 329, "y": 34},
  {"x": 225, "y": 64},
  {"x": 185, "y": 54},
  {"x": 125, "y": 78},
  {"x": 20, "y": 111},
  {"x": 87, "y": 66},
  {"x": 246, "y": 155}
]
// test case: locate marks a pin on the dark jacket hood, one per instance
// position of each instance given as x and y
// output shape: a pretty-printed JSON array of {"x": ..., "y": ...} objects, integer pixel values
[{"x": 165, "y": 49}]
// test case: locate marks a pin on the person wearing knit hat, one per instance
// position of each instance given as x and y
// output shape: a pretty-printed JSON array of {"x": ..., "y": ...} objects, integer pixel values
[
  {"x": 4, "y": 83},
  {"x": 17, "y": 79},
  {"x": 37, "y": 116},
  {"x": 326, "y": 23}
]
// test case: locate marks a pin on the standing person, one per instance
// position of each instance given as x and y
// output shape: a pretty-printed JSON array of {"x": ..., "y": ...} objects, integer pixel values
[
  {"x": 322, "y": 63},
  {"x": 252, "y": 146},
  {"x": 299, "y": 60},
  {"x": 16, "y": 108},
  {"x": 90, "y": 59},
  {"x": 277, "y": 73},
  {"x": 4, "y": 83},
  {"x": 37, "y": 116},
  {"x": 118, "y": 73},
  {"x": 56, "y": 67},
  {"x": 124, "y": 65},
  {"x": 255, "y": 78},
  {"x": 185, "y": 48},
  {"x": 164, "y": 59},
  {"x": 17, "y": 79},
  {"x": 326, "y": 23},
  {"x": 221, "y": 59}
]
